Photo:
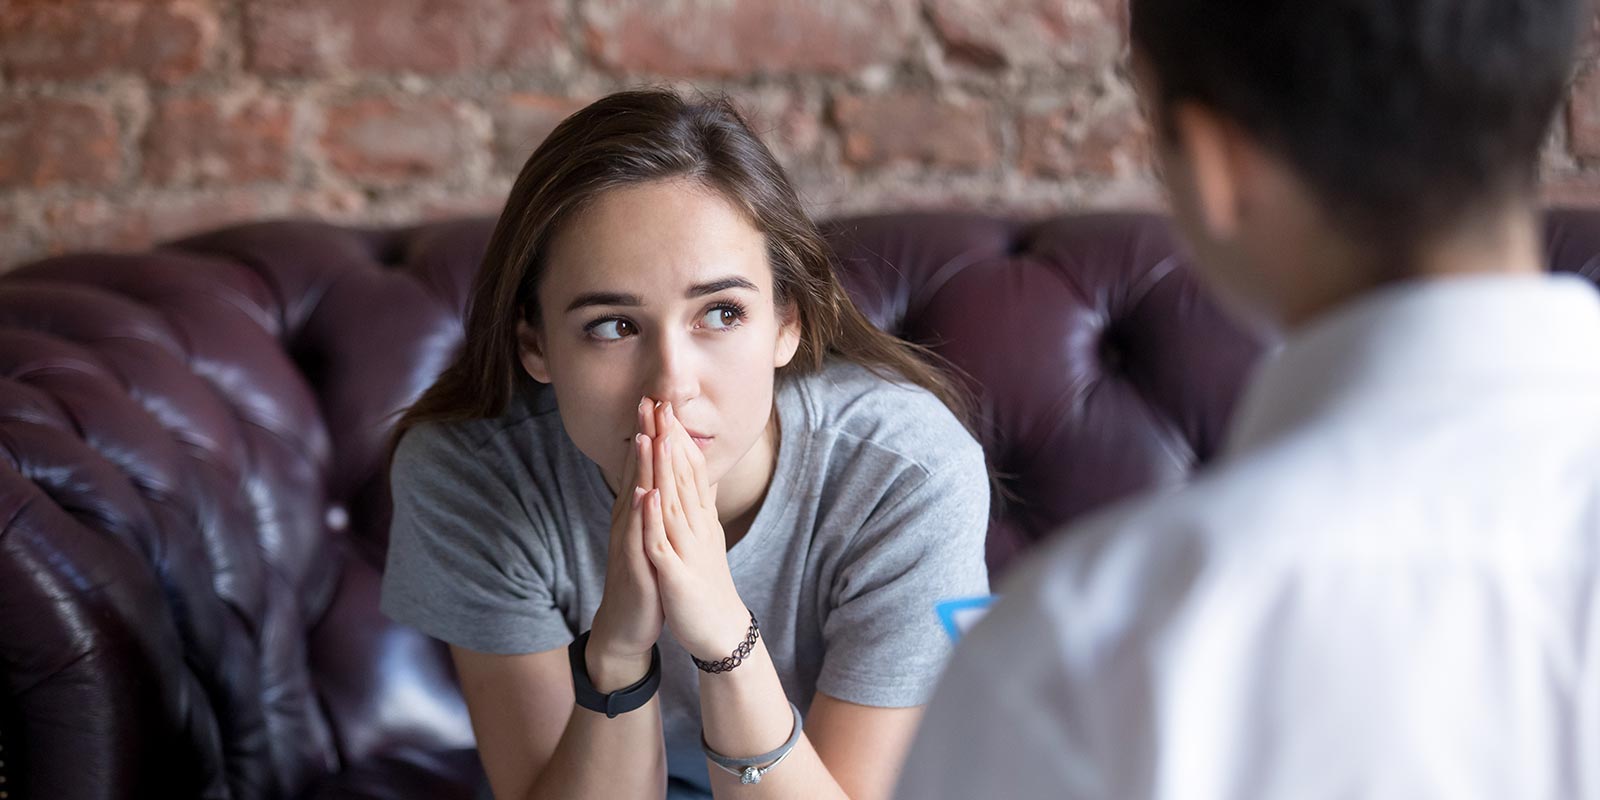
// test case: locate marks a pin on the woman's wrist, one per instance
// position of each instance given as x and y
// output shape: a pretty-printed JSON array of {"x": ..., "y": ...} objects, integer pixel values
[
  {"x": 725, "y": 636},
  {"x": 613, "y": 668},
  {"x": 611, "y": 641},
  {"x": 609, "y": 672}
]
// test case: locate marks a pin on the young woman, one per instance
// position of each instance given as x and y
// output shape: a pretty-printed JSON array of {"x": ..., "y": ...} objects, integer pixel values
[{"x": 680, "y": 511}]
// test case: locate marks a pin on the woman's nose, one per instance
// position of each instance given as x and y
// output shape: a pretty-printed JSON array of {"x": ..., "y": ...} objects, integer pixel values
[{"x": 674, "y": 378}]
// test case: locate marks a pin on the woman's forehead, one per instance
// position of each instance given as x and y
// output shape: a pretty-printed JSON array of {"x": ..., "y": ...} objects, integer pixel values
[{"x": 664, "y": 236}]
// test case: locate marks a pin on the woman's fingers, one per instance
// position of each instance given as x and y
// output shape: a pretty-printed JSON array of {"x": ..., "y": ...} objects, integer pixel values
[
  {"x": 657, "y": 546},
  {"x": 673, "y": 507},
  {"x": 645, "y": 420},
  {"x": 682, "y": 469},
  {"x": 633, "y": 534},
  {"x": 691, "y": 469},
  {"x": 661, "y": 469},
  {"x": 645, "y": 462},
  {"x": 702, "y": 483},
  {"x": 665, "y": 440},
  {"x": 630, "y": 471},
  {"x": 647, "y": 417}
]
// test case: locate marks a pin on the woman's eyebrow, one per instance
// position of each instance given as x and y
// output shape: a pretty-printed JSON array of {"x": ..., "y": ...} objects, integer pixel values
[
  {"x": 712, "y": 287},
  {"x": 697, "y": 290},
  {"x": 603, "y": 299}
]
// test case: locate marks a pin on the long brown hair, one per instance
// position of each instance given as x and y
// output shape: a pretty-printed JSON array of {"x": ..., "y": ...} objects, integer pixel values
[{"x": 635, "y": 137}]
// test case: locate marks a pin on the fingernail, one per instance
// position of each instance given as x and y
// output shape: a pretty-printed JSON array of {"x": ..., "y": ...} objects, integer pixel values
[
  {"x": 638, "y": 438},
  {"x": 638, "y": 494},
  {"x": 655, "y": 499},
  {"x": 658, "y": 404}
]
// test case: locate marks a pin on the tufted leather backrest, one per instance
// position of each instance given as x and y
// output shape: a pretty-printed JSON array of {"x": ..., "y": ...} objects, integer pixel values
[
  {"x": 188, "y": 574},
  {"x": 1100, "y": 366},
  {"x": 196, "y": 511}
]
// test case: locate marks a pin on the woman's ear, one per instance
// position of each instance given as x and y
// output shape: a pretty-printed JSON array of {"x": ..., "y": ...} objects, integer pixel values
[
  {"x": 530, "y": 350},
  {"x": 788, "y": 336}
]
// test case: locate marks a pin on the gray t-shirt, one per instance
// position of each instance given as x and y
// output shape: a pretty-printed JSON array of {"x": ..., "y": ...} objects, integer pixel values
[{"x": 877, "y": 511}]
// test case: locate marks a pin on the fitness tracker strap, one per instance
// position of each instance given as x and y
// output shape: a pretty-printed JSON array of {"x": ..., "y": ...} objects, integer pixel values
[{"x": 620, "y": 701}]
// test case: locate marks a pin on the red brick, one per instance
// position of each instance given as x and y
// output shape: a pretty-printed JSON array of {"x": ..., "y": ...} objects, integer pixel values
[
  {"x": 94, "y": 223},
  {"x": 521, "y": 123},
  {"x": 386, "y": 140},
  {"x": 1106, "y": 139},
  {"x": 925, "y": 192},
  {"x": 908, "y": 127},
  {"x": 48, "y": 141},
  {"x": 528, "y": 34},
  {"x": 694, "y": 38},
  {"x": 1583, "y": 113},
  {"x": 77, "y": 39},
  {"x": 317, "y": 37},
  {"x": 135, "y": 224},
  {"x": 1030, "y": 33},
  {"x": 148, "y": 218},
  {"x": 332, "y": 203},
  {"x": 788, "y": 123},
  {"x": 485, "y": 203},
  {"x": 170, "y": 216},
  {"x": 229, "y": 138}
]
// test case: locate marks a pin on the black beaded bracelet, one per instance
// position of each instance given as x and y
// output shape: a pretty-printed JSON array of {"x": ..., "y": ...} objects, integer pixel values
[{"x": 740, "y": 653}]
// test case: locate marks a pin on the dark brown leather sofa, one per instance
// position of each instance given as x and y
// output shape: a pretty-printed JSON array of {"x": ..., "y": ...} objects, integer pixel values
[{"x": 194, "y": 502}]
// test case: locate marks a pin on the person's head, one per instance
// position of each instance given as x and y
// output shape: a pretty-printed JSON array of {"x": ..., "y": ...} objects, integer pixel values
[
  {"x": 1349, "y": 138},
  {"x": 653, "y": 247}
]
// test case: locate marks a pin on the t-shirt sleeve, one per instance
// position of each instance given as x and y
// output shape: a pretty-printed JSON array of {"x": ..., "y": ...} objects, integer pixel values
[
  {"x": 922, "y": 544},
  {"x": 466, "y": 564}
]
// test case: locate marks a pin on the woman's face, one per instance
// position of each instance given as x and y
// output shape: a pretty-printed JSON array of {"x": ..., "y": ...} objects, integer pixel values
[{"x": 660, "y": 290}]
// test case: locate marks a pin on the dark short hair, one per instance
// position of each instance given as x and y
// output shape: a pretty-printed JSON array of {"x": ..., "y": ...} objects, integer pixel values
[{"x": 1401, "y": 115}]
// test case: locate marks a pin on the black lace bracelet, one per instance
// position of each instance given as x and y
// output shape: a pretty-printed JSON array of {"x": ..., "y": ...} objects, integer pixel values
[{"x": 740, "y": 653}]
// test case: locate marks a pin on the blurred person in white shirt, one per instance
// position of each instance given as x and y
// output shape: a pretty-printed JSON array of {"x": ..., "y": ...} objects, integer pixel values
[{"x": 1389, "y": 584}]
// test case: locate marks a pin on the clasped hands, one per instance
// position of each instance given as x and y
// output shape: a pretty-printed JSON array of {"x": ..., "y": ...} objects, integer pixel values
[{"x": 667, "y": 563}]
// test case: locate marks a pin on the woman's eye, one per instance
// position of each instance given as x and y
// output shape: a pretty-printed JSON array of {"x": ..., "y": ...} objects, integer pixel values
[
  {"x": 610, "y": 329},
  {"x": 722, "y": 317}
]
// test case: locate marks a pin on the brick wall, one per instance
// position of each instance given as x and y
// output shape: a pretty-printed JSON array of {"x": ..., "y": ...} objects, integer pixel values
[{"x": 124, "y": 122}]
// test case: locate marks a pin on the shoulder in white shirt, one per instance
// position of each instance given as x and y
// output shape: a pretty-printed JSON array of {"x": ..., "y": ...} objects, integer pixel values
[{"x": 1389, "y": 587}]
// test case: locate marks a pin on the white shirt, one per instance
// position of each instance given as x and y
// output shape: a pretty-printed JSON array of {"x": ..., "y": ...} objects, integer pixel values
[{"x": 1388, "y": 587}]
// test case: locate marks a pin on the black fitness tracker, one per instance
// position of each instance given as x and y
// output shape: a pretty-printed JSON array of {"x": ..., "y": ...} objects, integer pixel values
[{"x": 620, "y": 701}]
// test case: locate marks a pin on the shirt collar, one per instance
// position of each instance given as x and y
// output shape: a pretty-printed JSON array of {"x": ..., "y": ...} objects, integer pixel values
[{"x": 1423, "y": 341}]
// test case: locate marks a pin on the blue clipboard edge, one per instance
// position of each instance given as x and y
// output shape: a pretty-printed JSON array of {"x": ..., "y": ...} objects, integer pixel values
[{"x": 947, "y": 611}]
